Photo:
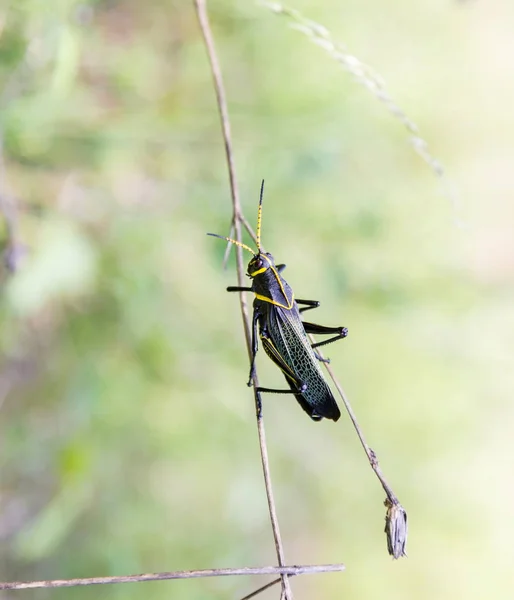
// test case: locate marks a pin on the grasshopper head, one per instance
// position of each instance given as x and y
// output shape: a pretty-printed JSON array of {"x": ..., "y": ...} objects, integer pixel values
[{"x": 260, "y": 263}]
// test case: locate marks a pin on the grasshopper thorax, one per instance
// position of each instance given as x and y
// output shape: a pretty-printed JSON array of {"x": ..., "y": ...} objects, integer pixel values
[{"x": 267, "y": 284}]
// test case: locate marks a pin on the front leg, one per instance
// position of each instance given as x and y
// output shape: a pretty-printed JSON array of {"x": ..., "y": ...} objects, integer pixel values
[{"x": 255, "y": 320}]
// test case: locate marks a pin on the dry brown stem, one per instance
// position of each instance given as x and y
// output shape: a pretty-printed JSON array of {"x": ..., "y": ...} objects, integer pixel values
[
  {"x": 59, "y": 583},
  {"x": 237, "y": 220}
]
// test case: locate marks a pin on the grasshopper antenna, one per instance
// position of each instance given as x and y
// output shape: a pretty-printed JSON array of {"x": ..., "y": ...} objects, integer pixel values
[
  {"x": 259, "y": 219},
  {"x": 227, "y": 239}
]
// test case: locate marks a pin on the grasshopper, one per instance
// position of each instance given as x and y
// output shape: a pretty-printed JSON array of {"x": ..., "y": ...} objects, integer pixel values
[{"x": 283, "y": 334}]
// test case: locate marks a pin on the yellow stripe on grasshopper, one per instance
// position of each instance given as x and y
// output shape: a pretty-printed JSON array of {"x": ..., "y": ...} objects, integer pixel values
[{"x": 271, "y": 301}]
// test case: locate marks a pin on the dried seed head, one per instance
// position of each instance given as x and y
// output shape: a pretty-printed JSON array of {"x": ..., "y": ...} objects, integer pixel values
[{"x": 396, "y": 528}]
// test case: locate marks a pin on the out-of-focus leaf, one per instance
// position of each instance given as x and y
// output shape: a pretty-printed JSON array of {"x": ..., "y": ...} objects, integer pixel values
[
  {"x": 62, "y": 265},
  {"x": 54, "y": 523}
]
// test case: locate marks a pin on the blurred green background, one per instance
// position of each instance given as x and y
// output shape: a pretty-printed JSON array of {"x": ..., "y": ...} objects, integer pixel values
[{"x": 127, "y": 433}]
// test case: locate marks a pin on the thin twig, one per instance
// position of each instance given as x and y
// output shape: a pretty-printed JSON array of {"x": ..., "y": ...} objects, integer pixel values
[
  {"x": 284, "y": 570},
  {"x": 396, "y": 516},
  {"x": 372, "y": 457},
  {"x": 237, "y": 219},
  {"x": 262, "y": 589}
]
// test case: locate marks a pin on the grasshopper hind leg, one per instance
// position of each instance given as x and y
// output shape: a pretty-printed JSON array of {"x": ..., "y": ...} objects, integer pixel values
[{"x": 340, "y": 333}]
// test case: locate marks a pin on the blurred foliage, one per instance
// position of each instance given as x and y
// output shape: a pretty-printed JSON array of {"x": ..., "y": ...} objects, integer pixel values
[{"x": 127, "y": 435}]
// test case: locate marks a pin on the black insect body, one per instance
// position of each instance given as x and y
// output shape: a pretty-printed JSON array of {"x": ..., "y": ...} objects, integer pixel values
[{"x": 283, "y": 334}]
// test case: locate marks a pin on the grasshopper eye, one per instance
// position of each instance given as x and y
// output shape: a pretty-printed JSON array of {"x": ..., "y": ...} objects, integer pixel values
[{"x": 258, "y": 264}]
